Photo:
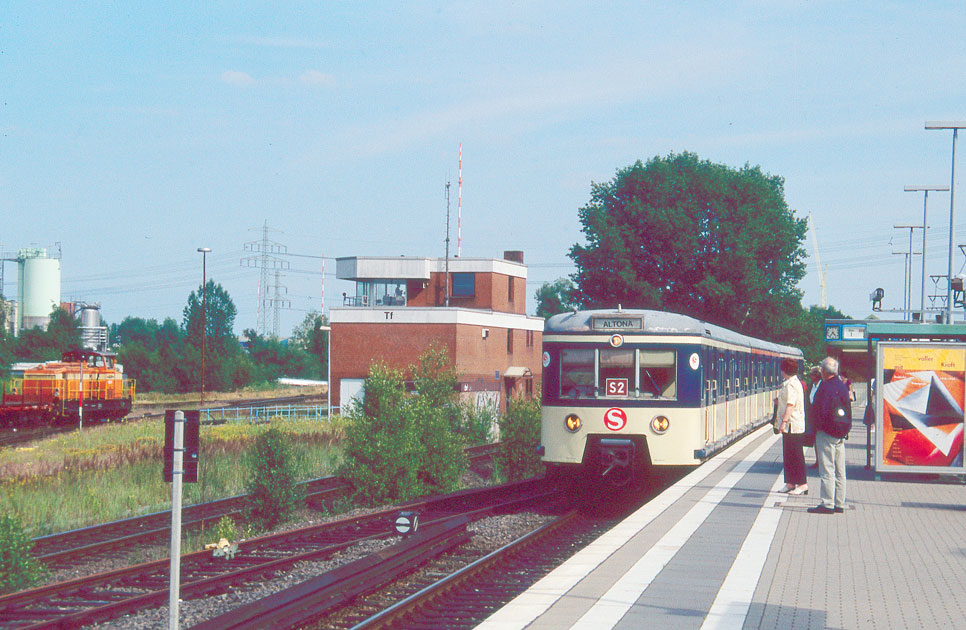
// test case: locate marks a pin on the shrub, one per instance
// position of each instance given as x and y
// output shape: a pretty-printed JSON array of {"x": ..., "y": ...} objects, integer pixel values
[
  {"x": 519, "y": 439},
  {"x": 399, "y": 445},
  {"x": 273, "y": 495},
  {"x": 477, "y": 423},
  {"x": 18, "y": 569}
]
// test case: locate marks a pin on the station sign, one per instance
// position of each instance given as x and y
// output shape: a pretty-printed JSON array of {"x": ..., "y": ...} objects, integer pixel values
[{"x": 618, "y": 323}]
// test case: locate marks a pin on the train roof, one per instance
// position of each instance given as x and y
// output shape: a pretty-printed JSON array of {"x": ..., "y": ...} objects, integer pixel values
[{"x": 658, "y": 322}]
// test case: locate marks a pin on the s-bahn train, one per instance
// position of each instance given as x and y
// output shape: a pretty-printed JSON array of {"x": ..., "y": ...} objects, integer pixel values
[
  {"x": 84, "y": 384},
  {"x": 628, "y": 394}
]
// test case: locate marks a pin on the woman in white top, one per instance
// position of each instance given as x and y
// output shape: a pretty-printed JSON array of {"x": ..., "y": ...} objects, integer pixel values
[{"x": 791, "y": 424}]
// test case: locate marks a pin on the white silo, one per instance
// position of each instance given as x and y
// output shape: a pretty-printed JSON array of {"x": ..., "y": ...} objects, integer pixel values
[{"x": 38, "y": 289}]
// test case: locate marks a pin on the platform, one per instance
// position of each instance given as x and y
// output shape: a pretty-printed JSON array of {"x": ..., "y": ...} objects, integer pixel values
[{"x": 723, "y": 549}]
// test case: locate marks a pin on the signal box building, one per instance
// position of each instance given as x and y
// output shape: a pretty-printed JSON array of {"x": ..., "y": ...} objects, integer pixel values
[{"x": 399, "y": 310}]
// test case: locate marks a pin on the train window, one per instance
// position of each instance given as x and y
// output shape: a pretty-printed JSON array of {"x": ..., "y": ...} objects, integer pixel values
[
  {"x": 658, "y": 374},
  {"x": 617, "y": 372},
  {"x": 576, "y": 373}
]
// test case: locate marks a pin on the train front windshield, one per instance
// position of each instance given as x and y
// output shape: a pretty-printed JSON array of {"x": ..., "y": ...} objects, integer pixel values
[{"x": 587, "y": 373}]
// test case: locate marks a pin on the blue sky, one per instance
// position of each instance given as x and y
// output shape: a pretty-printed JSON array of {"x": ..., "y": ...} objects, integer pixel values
[{"x": 134, "y": 133}]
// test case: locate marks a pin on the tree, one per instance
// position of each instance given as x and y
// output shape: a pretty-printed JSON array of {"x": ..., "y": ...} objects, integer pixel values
[
  {"x": 555, "y": 297},
  {"x": 219, "y": 315},
  {"x": 36, "y": 344},
  {"x": 702, "y": 239},
  {"x": 309, "y": 337}
]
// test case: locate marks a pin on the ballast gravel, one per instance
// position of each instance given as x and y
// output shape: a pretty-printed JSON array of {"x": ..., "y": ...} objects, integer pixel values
[{"x": 488, "y": 534}]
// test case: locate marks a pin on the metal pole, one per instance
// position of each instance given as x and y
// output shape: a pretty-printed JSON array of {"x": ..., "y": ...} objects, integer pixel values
[
  {"x": 925, "y": 228},
  {"x": 955, "y": 126},
  {"x": 328, "y": 377},
  {"x": 204, "y": 316},
  {"x": 176, "y": 485},
  {"x": 909, "y": 282},
  {"x": 952, "y": 230}
]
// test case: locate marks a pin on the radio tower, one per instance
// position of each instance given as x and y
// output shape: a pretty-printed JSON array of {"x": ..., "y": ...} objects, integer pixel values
[{"x": 267, "y": 260}]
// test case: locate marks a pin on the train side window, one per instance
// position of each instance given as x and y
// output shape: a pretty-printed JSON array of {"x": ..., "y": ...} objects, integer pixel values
[
  {"x": 617, "y": 372},
  {"x": 658, "y": 373},
  {"x": 576, "y": 373}
]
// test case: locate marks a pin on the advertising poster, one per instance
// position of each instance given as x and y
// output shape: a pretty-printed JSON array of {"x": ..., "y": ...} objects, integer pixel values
[{"x": 920, "y": 416}]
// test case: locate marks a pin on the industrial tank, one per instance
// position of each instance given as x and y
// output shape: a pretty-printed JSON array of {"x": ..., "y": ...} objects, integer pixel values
[{"x": 38, "y": 287}]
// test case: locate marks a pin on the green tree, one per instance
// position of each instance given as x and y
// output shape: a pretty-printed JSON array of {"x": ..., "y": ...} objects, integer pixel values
[
  {"x": 400, "y": 445},
  {"x": 272, "y": 474},
  {"x": 36, "y": 344},
  {"x": 555, "y": 297},
  {"x": 309, "y": 337},
  {"x": 808, "y": 331},
  {"x": 219, "y": 315},
  {"x": 272, "y": 358},
  {"x": 703, "y": 239}
]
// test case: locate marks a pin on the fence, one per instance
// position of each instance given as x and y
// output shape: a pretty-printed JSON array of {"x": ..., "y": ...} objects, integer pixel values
[{"x": 255, "y": 415}]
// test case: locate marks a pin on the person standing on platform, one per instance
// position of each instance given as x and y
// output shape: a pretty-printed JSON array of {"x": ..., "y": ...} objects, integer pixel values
[
  {"x": 791, "y": 410},
  {"x": 832, "y": 417}
]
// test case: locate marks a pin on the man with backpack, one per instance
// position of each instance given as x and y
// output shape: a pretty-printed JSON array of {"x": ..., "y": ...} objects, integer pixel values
[{"x": 832, "y": 413}]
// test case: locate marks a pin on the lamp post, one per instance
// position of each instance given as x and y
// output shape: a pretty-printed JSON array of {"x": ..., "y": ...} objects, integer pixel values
[
  {"x": 955, "y": 126},
  {"x": 907, "y": 273},
  {"x": 328, "y": 368},
  {"x": 204, "y": 315},
  {"x": 925, "y": 227}
]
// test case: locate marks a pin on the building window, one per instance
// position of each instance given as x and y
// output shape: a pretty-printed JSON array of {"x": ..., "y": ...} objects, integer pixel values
[
  {"x": 464, "y": 284},
  {"x": 380, "y": 293},
  {"x": 529, "y": 386},
  {"x": 509, "y": 340},
  {"x": 530, "y": 338},
  {"x": 509, "y": 289}
]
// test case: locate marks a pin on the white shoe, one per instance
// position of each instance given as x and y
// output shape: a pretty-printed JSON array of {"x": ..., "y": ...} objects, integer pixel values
[{"x": 799, "y": 490}]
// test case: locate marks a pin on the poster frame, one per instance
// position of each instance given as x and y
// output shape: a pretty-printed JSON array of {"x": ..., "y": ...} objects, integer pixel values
[{"x": 880, "y": 465}]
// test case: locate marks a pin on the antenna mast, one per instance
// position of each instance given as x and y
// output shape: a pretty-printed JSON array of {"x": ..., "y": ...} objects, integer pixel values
[
  {"x": 459, "y": 207},
  {"x": 447, "y": 243}
]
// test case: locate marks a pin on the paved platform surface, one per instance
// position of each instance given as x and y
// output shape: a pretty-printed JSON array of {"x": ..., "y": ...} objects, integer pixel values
[{"x": 722, "y": 549}]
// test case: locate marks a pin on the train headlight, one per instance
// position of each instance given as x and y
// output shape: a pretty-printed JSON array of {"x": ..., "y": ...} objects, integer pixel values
[
  {"x": 660, "y": 424},
  {"x": 573, "y": 423}
]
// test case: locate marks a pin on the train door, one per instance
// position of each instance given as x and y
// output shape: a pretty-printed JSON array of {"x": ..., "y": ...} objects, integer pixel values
[{"x": 709, "y": 370}]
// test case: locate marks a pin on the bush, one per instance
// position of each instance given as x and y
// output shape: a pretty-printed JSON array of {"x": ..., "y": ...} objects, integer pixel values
[
  {"x": 18, "y": 569},
  {"x": 519, "y": 439},
  {"x": 399, "y": 445},
  {"x": 477, "y": 423},
  {"x": 273, "y": 495}
]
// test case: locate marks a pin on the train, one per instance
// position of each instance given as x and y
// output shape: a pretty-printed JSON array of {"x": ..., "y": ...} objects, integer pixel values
[
  {"x": 85, "y": 385},
  {"x": 629, "y": 394}
]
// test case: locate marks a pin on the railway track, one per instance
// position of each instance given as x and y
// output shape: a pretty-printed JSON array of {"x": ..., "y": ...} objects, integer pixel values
[
  {"x": 74, "y": 547},
  {"x": 107, "y": 595},
  {"x": 387, "y": 590}
]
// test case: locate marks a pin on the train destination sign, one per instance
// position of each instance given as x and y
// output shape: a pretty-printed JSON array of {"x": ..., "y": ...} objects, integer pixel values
[{"x": 618, "y": 323}]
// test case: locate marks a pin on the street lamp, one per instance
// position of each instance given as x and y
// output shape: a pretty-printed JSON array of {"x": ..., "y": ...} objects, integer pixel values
[
  {"x": 955, "y": 126},
  {"x": 328, "y": 368},
  {"x": 204, "y": 316},
  {"x": 907, "y": 272},
  {"x": 925, "y": 227}
]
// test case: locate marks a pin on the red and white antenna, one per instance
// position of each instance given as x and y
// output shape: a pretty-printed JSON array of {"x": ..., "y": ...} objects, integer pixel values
[{"x": 459, "y": 207}]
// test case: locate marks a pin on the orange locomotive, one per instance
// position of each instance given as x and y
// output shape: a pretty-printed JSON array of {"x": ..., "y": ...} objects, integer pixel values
[{"x": 59, "y": 391}]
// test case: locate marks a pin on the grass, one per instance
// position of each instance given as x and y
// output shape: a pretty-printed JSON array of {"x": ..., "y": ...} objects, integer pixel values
[{"x": 113, "y": 471}]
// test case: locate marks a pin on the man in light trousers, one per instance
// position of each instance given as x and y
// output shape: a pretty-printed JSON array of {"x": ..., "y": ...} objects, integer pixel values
[{"x": 833, "y": 394}]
